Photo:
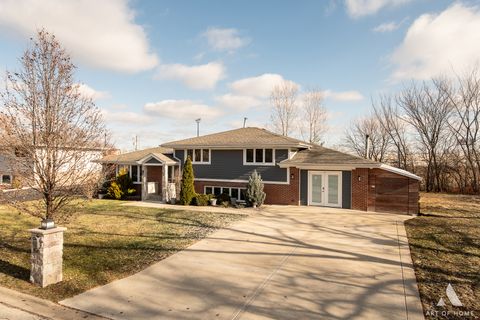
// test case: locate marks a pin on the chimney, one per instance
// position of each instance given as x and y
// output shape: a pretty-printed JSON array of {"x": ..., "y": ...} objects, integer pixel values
[{"x": 367, "y": 146}]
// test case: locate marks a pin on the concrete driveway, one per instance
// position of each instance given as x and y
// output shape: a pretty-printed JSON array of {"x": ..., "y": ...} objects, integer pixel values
[{"x": 281, "y": 263}]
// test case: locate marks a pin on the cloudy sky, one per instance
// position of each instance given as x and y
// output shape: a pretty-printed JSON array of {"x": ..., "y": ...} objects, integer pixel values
[{"x": 155, "y": 66}]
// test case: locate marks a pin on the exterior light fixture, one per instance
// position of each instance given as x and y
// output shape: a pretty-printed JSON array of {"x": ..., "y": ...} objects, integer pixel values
[
  {"x": 359, "y": 178},
  {"x": 47, "y": 224},
  {"x": 292, "y": 176}
]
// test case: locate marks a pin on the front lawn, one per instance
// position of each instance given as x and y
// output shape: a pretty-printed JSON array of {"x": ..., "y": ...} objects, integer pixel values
[
  {"x": 107, "y": 241},
  {"x": 445, "y": 246}
]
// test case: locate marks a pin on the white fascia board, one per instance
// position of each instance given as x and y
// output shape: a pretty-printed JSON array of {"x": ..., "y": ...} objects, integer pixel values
[
  {"x": 401, "y": 172},
  {"x": 151, "y": 155}
]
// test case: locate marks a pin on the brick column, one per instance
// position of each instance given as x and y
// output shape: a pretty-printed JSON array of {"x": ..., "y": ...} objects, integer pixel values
[
  {"x": 47, "y": 256},
  {"x": 360, "y": 189}
]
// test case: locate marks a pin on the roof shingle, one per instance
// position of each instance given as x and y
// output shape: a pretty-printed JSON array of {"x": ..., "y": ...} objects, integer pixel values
[
  {"x": 238, "y": 138},
  {"x": 164, "y": 154}
]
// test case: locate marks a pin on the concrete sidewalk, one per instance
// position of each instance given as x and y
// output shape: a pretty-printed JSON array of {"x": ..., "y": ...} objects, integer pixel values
[
  {"x": 15, "y": 305},
  {"x": 281, "y": 263}
]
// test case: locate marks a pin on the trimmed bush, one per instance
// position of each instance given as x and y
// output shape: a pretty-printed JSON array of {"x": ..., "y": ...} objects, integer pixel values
[
  {"x": 255, "y": 194},
  {"x": 187, "y": 188},
  {"x": 121, "y": 187},
  {"x": 223, "y": 198},
  {"x": 201, "y": 200}
]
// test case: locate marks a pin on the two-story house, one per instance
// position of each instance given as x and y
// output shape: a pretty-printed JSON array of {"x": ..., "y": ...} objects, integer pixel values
[{"x": 294, "y": 172}]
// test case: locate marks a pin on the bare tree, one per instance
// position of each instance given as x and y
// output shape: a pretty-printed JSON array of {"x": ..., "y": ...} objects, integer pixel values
[
  {"x": 50, "y": 129},
  {"x": 389, "y": 118},
  {"x": 284, "y": 107},
  {"x": 313, "y": 118},
  {"x": 355, "y": 139},
  {"x": 427, "y": 108}
]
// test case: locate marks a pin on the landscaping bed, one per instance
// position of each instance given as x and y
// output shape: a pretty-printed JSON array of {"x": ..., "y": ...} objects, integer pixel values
[
  {"x": 104, "y": 242},
  {"x": 445, "y": 246}
]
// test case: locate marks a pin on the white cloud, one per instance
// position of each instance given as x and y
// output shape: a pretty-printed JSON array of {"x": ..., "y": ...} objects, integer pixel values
[
  {"x": 102, "y": 34},
  {"x": 439, "y": 43},
  {"x": 343, "y": 95},
  {"x": 359, "y": 8},
  {"x": 126, "y": 117},
  {"x": 225, "y": 39},
  {"x": 237, "y": 102},
  {"x": 181, "y": 110},
  {"x": 89, "y": 92},
  {"x": 260, "y": 86},
  {"x": 387, "y": 27},
  {"x": 198, "y": 77}
]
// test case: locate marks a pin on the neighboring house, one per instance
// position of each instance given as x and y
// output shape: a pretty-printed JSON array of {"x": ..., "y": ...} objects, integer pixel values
[
  {"x": 294, "y": 172},
  {"x": 18, "y": 166}
]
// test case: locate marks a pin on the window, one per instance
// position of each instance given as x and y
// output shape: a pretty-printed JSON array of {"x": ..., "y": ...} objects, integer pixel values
[
  {"x": 249, "y": 155},
  {"x": 199, "y": 156},
  {"x": 189, "y": 154},
  {"x": 134, "y": 173},
  {"x": 259, "y": 156},
  {"x": 7, "y": 179},
  {"x": 268, "y": 155},
  {"x": 206, "y": 155},
  {"x": 234, "y": 192}
]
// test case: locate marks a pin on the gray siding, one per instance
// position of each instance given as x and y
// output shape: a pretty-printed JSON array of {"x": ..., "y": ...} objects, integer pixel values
[
  {"x": 304, "y": 187},
  {"x": 228, "y": 165},
  {"x": 346, "y": 189},
  {"x": 153, "y": 160},
  {"x": 179, "y": 154}
]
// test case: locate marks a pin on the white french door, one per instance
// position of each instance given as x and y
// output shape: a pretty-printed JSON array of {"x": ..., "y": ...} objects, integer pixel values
[{"x": 325, "y": 188}]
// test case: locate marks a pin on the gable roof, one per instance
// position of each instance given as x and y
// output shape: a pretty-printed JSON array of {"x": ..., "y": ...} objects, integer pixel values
[
  {"x": 325, "y": 156},
  {"x": 321, "y": 157},
  {"x": 165, "y": 155},
  {"x": 239, "y": 138}
]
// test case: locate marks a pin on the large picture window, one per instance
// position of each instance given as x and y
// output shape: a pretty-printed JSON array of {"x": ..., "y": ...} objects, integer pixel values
[
  {"x": 259, "y": 156},
  {"x": 199, "y": 156}
]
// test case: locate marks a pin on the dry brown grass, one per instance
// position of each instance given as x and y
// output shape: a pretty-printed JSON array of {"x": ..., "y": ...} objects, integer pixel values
[
  {"x": 445, "y": 246},
  {"x": 104, "y": 242}
]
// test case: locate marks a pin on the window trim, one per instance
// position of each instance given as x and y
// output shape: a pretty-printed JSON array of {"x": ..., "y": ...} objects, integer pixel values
[
  {"x": 201, "y": 155},
  {"x": 254, "y": 163},
  {"x": 222, "y": 188}
]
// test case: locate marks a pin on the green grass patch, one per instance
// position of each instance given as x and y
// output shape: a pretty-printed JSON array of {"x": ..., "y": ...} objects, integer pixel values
[
  {"x": 445, "y": 247},
  {"x": 104, "y": 241}
]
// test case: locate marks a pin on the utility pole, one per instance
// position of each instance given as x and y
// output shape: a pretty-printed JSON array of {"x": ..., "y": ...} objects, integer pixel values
[
  {"x": 135, "y": 142},
  {"x": 198, "y": 126},
  {"x": 244, "y": 121}
]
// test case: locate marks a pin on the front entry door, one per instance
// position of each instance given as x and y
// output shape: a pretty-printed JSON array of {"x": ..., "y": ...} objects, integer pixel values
[{"x": 325, "y": 188}]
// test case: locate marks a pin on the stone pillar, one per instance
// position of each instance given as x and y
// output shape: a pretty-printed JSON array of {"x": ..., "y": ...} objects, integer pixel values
[{"x": 47, "y": 255}]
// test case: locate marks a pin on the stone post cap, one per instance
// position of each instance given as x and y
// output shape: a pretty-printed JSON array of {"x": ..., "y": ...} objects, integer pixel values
[{"x": 47, "y": 231}]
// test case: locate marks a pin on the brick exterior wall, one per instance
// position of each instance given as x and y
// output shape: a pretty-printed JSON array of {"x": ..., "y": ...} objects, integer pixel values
[
  {"x": 286, "y": 194},
  {"x": 383, "y": 191},
  {"x": 360, "y": 189}
]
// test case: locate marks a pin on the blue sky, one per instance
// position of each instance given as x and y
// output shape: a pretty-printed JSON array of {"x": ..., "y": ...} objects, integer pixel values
[{"x": 155, "y": 66}]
